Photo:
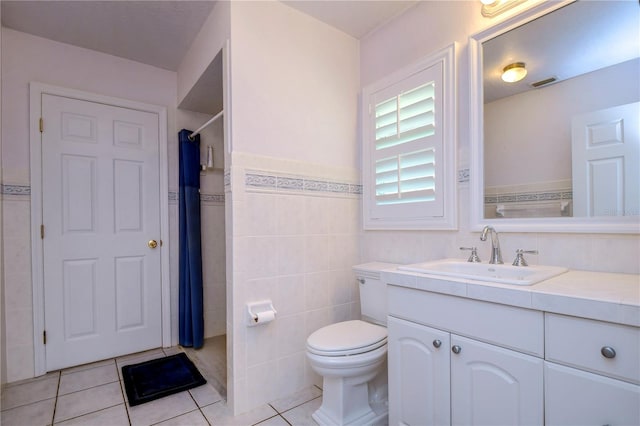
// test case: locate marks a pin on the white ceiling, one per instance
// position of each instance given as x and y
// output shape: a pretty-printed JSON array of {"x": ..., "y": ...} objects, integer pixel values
[
  {"x": 159, "y": 33},
  {"x": 354, "y": 17}
]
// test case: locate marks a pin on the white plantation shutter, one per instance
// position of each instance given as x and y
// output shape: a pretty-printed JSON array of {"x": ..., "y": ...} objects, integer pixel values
[
  {"x": 405, "y": 170},
  {"x": 405, "y": 148}
]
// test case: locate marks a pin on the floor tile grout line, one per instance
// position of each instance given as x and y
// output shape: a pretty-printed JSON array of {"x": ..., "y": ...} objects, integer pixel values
[
  {"x": 264, "y": 420},
  {"x": 292, "y": 408},
  {"x": 285, "y": 420},
  {"x": 86, "y": 414},
  {"x": 26, "y": 405},
  {"x": 295, "y": 406},
  {"x": 55, "y": 404},
  {"x": 90, "y": 387},
  {"x": 33, "y": 402},
  {"x": 175, "y": 417},
  {"x": 124, "y": 401},
  {"x": 198, "y": 406},
  {"x": 4, "y": 410}
]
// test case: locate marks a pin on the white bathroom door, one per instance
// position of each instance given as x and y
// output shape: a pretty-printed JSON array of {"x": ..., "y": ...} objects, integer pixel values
[
  {"x": 101, "y": 207},
  {"x": 605, "y": 162}
]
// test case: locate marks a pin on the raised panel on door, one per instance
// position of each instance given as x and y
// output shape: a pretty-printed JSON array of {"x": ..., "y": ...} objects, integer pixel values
[
  {"x": 418, "y": 362},
  {"x": 78, "y": 193},
  {"x": 494, "y": 386},
  {"x": 131, "y": 293},
  {"x": 128, "y": 195},
  {"x": 102, "y": 286},
  {"x": 577, "y": 398},
  {"x": 80, "y": 299}
]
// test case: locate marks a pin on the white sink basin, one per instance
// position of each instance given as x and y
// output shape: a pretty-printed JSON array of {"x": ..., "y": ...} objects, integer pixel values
[{"x": 505, "y": 274}]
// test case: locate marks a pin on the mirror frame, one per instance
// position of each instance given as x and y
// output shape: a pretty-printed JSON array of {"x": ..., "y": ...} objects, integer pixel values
[{"x": 604, "y": 224}]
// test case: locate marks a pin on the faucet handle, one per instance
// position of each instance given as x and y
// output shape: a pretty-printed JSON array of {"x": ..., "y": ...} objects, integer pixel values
[
  {"x": 474, "y": 254},
  {"x": 519, "y": 260}
]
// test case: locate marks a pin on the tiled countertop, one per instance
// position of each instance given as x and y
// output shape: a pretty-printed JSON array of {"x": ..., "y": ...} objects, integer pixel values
[{"x": 602, "y": 296}]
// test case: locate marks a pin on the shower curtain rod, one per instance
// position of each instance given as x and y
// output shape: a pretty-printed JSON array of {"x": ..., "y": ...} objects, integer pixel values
[{"x": 197, "y": 132}]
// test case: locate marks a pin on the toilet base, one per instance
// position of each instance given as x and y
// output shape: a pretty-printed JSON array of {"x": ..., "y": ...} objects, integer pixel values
[
  {"x": 346, "y": 401},
  {"x": 378, "y": 416}
]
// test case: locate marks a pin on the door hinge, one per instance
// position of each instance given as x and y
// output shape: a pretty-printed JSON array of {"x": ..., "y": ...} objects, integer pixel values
[
  {"x": 44, "y": 337},
  {"x": 41, "y": 125},
  {"x": 42, "y": 232}
]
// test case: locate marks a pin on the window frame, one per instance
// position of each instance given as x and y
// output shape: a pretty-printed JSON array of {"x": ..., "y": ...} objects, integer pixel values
[{"x": 448, "y": 172}]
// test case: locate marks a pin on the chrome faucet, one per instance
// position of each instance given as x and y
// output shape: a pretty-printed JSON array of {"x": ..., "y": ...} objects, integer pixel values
[{"x": 496, "y": 254}]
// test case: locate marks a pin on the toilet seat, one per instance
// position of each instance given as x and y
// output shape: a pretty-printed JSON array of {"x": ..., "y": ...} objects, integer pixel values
[{"x": 347, "y": 338}]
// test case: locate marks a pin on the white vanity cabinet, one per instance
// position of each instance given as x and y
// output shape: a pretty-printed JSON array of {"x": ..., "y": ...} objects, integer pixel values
[
  {"x": 592, "y": 372},
  {"x": 459, "y": 361},
  {"x": 494, "y": 386},
  {"x": 418, "y": 362}
]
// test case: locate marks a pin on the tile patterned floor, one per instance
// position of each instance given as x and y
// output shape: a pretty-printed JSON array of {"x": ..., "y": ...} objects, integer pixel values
[{"x": 93, "y": 395}]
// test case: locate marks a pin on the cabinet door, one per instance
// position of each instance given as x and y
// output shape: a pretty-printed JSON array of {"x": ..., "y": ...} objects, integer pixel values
[
  {"x": 494, "y": 386},
  {"x": 575, "y": 397},
  {"x": 418, "y": 374}
]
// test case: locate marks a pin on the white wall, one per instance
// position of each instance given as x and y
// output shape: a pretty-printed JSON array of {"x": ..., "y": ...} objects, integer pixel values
[
  {"x": 207, "y": 44},
  {"x": 27, "y": 58},
  {"x": 294, "y": 106},
  {"x": 425, "y": 28},
  {"x": 542, "y": 119},
  {"x": 293, "y": 86}
]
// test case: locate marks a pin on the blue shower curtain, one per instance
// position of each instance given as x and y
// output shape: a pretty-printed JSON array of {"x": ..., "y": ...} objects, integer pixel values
[{"x": 191, "y": 304}]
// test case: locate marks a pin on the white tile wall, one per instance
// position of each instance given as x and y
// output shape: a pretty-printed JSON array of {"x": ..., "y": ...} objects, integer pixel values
[
  {"x": 295, "y": 247},
  {"x": 214, "y": 267},
  {"x": 18, "y": 309}
]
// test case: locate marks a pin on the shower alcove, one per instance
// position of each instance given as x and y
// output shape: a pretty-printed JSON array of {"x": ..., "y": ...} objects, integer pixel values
[{"x": 203, "y": 102}]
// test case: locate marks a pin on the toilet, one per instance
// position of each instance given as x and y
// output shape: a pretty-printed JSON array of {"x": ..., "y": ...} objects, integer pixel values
[{"x": 351, "y": 358}]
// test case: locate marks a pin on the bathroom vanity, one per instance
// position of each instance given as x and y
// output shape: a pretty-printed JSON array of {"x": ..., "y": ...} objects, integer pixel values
[{"x": 565, "y": 351}]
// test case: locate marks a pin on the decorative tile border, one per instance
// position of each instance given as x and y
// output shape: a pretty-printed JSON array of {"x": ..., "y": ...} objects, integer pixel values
[
  {"x": 260, "y": 180},
  {"x": 520, "y": 197},
  {"x": 271, "y": 181},
  {"x": 21, "y": 192},
  {"x": 212, "y": 198},
  {"x": 204, "y": 198},
  {"x": 276, "y": 182}
]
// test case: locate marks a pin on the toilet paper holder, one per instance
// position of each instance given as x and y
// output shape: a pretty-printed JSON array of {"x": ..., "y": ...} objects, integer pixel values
[{"x": 261, "y": 312}]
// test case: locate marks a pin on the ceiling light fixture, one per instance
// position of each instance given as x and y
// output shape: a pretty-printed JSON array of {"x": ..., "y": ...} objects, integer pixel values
[
  {"x": 514, "y": 72},
  {"x": 491, "y": 8}
]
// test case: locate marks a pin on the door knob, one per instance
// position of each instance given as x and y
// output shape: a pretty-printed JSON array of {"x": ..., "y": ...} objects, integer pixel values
[{"x": 152, "y": 244}]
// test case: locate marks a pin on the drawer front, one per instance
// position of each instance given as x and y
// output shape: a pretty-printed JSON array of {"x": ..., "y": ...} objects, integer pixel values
[
  {"x": 507, "y": 326},
  {"x": 575, "y": 397},
  {"x": 583, "y": 343}
]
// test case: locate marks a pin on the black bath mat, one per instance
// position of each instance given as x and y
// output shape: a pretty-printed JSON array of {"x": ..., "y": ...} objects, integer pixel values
[{"x": 160, "y": 377}]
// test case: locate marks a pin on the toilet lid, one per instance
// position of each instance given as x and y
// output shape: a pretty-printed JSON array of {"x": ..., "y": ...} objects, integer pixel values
[{"x": 347, "y": 338}]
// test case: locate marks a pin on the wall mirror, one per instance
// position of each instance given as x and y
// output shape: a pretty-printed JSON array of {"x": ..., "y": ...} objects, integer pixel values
[{"x": 559, "y": 150}]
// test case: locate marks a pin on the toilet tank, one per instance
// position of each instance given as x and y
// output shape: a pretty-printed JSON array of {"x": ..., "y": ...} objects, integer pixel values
[{"x": 373, "y": 291}]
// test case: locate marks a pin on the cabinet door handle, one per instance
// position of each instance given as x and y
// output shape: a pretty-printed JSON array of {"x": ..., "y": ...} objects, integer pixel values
[
  {"x": 456, "y": 349},
  {"x": 437, "y": 343},
  {"x": 608, "y": 352},
  {"x": 361, "y": 280}
]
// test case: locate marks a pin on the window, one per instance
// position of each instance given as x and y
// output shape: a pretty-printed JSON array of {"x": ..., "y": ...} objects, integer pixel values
[{"x": 409, "y": 148}]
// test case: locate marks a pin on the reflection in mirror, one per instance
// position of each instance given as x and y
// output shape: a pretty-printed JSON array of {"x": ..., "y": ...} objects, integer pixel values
[{"x": 564, "y": 141}]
